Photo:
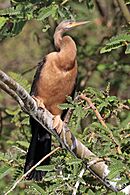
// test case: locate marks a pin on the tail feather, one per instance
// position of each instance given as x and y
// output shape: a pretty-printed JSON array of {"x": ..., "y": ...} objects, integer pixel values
[{"x": 40, "y": 146}]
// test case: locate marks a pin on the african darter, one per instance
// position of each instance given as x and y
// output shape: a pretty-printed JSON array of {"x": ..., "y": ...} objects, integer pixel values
[{"x": 54, "y": 80}]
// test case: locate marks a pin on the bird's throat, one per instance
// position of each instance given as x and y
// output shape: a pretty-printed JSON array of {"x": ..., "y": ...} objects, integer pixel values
[{"x": 67, "y": 53}]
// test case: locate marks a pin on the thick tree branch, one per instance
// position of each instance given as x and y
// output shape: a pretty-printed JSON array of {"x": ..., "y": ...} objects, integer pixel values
[{"x": 94, "y": 164}]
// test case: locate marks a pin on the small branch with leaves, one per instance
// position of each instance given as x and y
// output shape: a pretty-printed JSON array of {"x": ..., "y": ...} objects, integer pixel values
[
  {"x": 32, "y": 168},
  {"x": 93, "y": 163},
  {"x": 99, "y": 117}
]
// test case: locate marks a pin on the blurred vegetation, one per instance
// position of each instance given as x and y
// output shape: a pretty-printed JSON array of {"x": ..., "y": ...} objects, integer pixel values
[{"x": 26, "y": 35}]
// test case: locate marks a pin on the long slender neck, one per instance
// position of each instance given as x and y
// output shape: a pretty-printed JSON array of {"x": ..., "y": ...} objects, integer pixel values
[
  {"x": 58, "y": 39},
  {"x": 67, "y": 50}
]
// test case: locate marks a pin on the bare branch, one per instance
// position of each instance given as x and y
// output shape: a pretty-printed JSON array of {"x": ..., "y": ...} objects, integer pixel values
[
  {"x": 88, "y": 100},
  {"x": 97, "y": 167},
  {"x": 78, "y": 182},
  {"x": 63, "y": 2},
  {"x": 124, "y": 10},
  {"x": 68, "y": 116}
]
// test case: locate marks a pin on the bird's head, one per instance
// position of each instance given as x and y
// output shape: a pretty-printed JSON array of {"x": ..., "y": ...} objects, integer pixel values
[
  {"x": 69, "y": 24},
  {"x": 64, "y": 27}
]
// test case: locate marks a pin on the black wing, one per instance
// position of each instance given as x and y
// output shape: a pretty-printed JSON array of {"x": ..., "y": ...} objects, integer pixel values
[{"x": 40, "y": 66}]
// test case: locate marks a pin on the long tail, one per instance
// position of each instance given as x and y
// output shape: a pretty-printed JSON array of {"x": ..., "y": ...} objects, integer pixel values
[{"x": 40, "y": 146}]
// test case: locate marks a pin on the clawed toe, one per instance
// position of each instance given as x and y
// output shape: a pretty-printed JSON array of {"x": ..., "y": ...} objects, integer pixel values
[
  {"x": 39, "y": 102},
  {"x": 57, "y": 124}
]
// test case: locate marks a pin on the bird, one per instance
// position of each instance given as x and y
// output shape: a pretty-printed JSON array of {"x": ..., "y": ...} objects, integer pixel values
[{"x": 54, "y": 80}]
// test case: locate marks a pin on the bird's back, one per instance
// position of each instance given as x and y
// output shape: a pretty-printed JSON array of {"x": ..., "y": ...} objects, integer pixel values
[{"x": 54, "y": 83}]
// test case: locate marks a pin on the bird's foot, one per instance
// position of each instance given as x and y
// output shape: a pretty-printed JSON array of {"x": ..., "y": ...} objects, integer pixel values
[
  {"x": 57, "y": 123},
  {"x": 39, "y": 102}
]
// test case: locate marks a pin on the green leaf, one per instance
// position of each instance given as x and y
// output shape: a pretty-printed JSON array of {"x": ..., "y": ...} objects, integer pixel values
[
  {"x": 101, "y": 67},
  {"x": 116, "y": 42},
  {"x": 45, "y": 12},
  {"x": 4, "y": 156},
  {"x": 102, "y": 105},
  {"x": 17, "y": 27},
  {"x": 69, "y": 99},
  {"x": 65, "y": 106},
  {"x": 112, "y": 98},
  {"x": 2, "y": 21},
  {"x": 90, "y": 192},
  {"x": 98, "y": 125},
  {"x": 37, "y": 188},
  {"x": 25, "y": 121},
  {"x": 17, "y": 173},
  {"x": 127, "y": 51},
  {"x": 5, "y": 170},
  {"x": 23, "y": 144},
  {"x": 108, "y": 48},
  {"x": 119, "y": 38},
  {"x": 116, "y": 167},
  {"x": 119, "y": 193},
  {"x": 46, "y": 168},
  {"x": 13, "y": 112},
  {"x": 10, "y": 11},
  {"x": 90, "y": 4},
  {"x": 74, "y": 161}
]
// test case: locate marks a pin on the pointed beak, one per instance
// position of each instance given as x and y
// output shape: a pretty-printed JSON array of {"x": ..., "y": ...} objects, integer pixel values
[{"x": 74, "y": 24}]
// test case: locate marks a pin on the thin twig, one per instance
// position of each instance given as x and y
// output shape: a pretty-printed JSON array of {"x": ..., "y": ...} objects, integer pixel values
[
  {"x": 124, "y": 10},
  {"x": 125, "y": 106},
  {"x": 30, "y": 170},
  {"x": 28, "y": 70},
  {"x": 78, "y": 182},
  {"x": 88, "y": 100},
  {"x": 65, "y": 1},
  {"x": 68, "y": 116}
]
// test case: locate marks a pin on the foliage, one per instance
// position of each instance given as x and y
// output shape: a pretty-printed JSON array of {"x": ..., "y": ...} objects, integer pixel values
[
  {"x": 116, "y": 42},
  {"x": 13, "y": 19},
  {"x": 110, "y": 93}
]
